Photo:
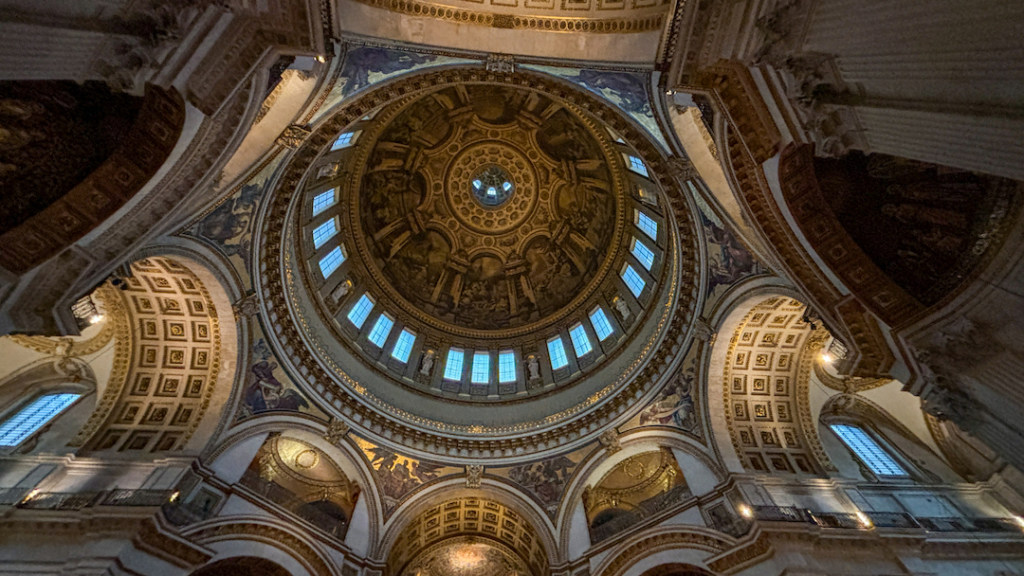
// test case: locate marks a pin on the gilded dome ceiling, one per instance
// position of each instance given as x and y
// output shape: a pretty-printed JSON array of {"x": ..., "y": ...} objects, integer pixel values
[
  {"x": 457, "y": 238},
  {"x": 487, "y": 208}
]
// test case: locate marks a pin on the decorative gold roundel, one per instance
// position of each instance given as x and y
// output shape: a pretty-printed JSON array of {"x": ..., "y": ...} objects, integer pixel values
[
  {"x": 486, "y": 163},
  {"x": 487, "y": 208}
]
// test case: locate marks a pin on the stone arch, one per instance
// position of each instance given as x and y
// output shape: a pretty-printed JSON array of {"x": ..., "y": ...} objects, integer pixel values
[
  {"x": 240, "y": 449},
  {"x": 241, "y": 566},
  {"x": 757, "y": 385},
  {"x": 170, "y": 383},
  {"x": 701, "y": 471},
  {"x": 266, "y": 538},
  {"x": 532, "y": 536},
  {"x": 661, "y": 545},
  {"x": 676, "y": 569}
]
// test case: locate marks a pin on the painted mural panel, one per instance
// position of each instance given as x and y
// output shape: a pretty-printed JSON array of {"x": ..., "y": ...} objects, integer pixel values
[
  {"x": 364, "y": 66},
  {"x": 398, "y": 475},
  {"x": 729, "y": 261},
  {"x": 267, "y": 387},
  {"x": 675, "y": 406},
  {"x": 627, "y": 90},
  {"x": 546, "y": 480},
  {"x": 229, "y": 226}
]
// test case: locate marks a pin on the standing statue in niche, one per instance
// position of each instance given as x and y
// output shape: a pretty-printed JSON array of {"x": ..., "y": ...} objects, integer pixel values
[
  {"x": 533, "y": 366},
  {"x": 341, "y": 291},
  {"x": 622, "y": 308},
  {"x": 428, "y": 363}
]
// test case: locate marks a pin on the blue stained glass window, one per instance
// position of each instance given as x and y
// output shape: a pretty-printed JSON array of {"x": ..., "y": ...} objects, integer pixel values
[
  {"x": 602, "y": 327},
  {"x": 556, "y": 351},
  {"x": 647, "y": 225},
  {"x": 632, "y": 279},
  {"x": 323, "y": 201},
  {"x": 330, "y": 263},
  {"x": 324, "y": 232},
  {"x": 453, "y": 366},
  {"x": 865, "y": 447},
  {"x": 637, "y": 165},
  {"x": 481, "y": 372},
  {"x": 643, "y": 254},
  {"x": 506, "y": 366},
  {"x": 580, "y": 341},
  {"x": 357, "y": 315},
  {"x": 343, "y": 141},
  {"x": 381, "y": 329},
  {"x": 34, "y": 416},
  {"x": 403, "y": 346}
]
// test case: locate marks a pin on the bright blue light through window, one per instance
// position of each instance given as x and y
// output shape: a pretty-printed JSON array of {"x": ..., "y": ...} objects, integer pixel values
[
  {"x": 580, "y": 341},
  {"x": 647, "y": 224},
  {"x": 381, "y": 329},
  {"x": 602, "y": 327},
  {"x": 403, "y": 346},
  {"x": 868, "y": 450},
  {"x": 323, "y": 201},
  {"x": 637, "y": 165},
  {"x": 343, "y": 141},
  {"x": 330, "y": 263},
  {"x": 453, "y": 366},
  {"x": 324, "y": 232},
  {"x": 642, "y": 253},
  {"x": 357, "y": 315},
  {"x": 633, "y": 280},
  {"x": 481, "y": 373},
  {"x": 31, "y": 418},
  {"x": 506, "y": 366},
  {"x": 556, "y": 351}
]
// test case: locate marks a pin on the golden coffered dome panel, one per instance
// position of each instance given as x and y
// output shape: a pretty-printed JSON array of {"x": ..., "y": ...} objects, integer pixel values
[{"x": 513, "y": 253}]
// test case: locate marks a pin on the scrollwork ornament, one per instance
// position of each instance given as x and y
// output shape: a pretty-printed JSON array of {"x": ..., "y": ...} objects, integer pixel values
[{"x": 473, "y": 474}]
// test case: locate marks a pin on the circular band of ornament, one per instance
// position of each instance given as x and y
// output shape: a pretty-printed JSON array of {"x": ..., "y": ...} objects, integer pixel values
[
  {"x": 480, "y": 160},
  {"x": 419, "y": 435}
]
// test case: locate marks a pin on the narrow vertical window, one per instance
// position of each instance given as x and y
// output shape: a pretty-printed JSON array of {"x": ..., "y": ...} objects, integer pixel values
[
  {"x": 580, "y": 341},
  {"x": 381, "y": 329},
  {"x": 602, "y": 327},
  {"x": 34, "y": 416},
  {"x": 357, "y": 315},
  {"x": 324, "y": 200},
  {"x": 637, "y": 165},
  {"x": 324, "y": 232},
  {"x": 646, "y": 224},
  {"x": 506, "y": 366},
  {"x": 403, "y": 346},
  {"x": 453, "y": 366},
  {"x": 343, "y": 141},
  {"x": 865, "y": 447},
  {"x": 633, "y": 280},
  {"x": 642, "y": 253},
  {"x": 481, "y": 373},
  {"x": 556, "y": 351},
  {"x": 331, "y": 262}
]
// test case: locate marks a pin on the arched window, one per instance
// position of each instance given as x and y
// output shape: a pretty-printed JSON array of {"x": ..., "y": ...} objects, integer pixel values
[
  {"x": 868, "y": 451},
  {"x": 21, "y": 425}
]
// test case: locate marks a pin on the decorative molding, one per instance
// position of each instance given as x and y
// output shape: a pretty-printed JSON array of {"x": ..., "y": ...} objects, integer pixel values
[{"x": 268, "y": 535}]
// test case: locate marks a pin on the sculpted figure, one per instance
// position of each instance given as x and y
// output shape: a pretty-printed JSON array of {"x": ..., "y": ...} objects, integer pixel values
[
  {"x": 428, "y": 363},
  {"x": 534, "y": 367}
]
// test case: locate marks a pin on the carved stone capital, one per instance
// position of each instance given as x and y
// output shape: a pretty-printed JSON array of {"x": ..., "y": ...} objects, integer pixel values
[{"x": 247, "y": 306}]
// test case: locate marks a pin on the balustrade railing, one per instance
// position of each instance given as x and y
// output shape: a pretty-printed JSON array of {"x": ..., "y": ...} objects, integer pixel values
[
  {"x": 36, "y": 500},
  {"x": 899, "y": 520},
  {"x": 645, "y": 509}
]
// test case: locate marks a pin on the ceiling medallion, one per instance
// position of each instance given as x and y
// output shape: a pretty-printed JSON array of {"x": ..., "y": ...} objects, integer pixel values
[{"x": 492, "y": 186}]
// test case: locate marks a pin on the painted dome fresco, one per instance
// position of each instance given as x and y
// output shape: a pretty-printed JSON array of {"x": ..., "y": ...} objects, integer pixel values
[
  {"x": 477, "y": 241},
  {"x": 500, "y": 202}
]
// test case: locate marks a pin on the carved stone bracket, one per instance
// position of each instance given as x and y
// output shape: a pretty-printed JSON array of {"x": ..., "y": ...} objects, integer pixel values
[
  {"x": 293, "y": 136},
  {"x": 610, "y": 440},
  {"x": 336, "y": 430},
  {"x": 247, "y": 306},
  {"x": 473, "y": 474},
  {"x": 500, "y": 63}
]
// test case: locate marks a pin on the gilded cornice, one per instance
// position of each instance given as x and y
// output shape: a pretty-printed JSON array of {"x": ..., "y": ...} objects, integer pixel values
[
  {"x": 625, "y": 25},
  {"x": 278, "y": 286},
  {"x": 809, "y": 357}
]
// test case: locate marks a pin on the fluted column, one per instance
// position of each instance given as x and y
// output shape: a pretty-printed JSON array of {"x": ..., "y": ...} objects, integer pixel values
[{"x": 942, "y": 80}]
